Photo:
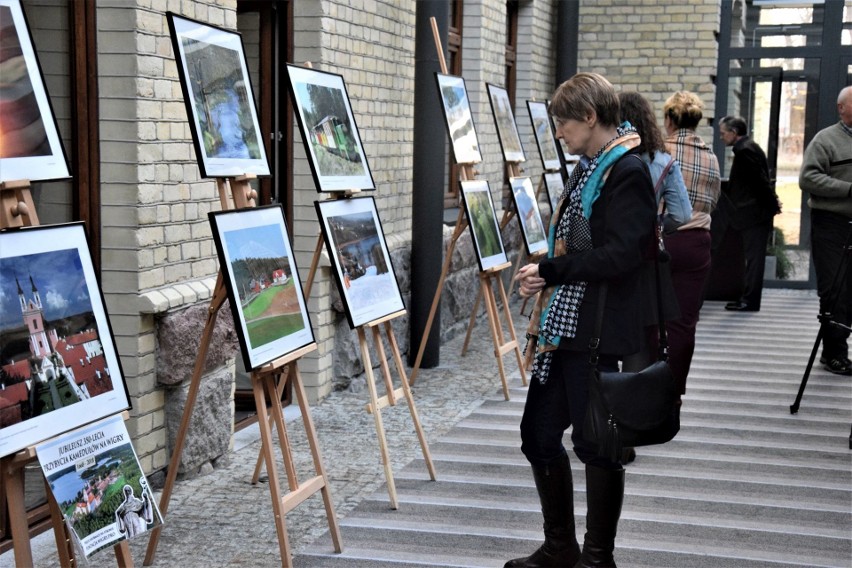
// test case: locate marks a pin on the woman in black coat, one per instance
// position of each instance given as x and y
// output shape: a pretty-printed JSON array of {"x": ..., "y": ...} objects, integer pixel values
[{"x": 603, "y": 227}]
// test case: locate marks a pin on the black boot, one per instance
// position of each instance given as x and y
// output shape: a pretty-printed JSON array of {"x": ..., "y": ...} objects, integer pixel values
[
  {"x": 555, "y": 487},
  {"x": 604, "y": 495}
]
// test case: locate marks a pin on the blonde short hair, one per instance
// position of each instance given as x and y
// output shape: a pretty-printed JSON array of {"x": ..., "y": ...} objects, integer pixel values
[
  {"x": 583, "y": 93},
  {"x": 684, "y": 109}
]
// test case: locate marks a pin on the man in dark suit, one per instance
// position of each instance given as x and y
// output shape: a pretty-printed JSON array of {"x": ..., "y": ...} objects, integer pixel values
[{"x": 751, "y": 191}]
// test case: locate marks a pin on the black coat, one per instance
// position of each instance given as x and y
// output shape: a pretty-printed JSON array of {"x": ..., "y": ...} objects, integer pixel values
[
  {"x": 749, "y": 186},
  {"x": 622, "y": 224}
]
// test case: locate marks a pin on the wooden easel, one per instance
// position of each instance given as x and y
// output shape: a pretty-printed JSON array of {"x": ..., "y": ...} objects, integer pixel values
[
  {"x": 487, "y": 279},
  {"x": 18, "y": 210},
  {"x": 264, "y": 388},
  {"x": 376, "y": 403}
]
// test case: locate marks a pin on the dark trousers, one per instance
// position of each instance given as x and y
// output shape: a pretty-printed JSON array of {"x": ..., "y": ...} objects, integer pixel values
[
  {"x": 557, "y": 404},
  {"x": 690, "y": 267},
  {"x": 829, "y": 234},
  {"x": 755, "y": 238}
]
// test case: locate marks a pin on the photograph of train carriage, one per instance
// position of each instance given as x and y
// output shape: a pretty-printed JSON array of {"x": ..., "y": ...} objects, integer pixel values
[{"x": 330, "y": 130}]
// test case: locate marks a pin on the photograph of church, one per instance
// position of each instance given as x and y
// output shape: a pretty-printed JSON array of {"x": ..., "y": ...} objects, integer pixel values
[{"x": 50, "y": 353}]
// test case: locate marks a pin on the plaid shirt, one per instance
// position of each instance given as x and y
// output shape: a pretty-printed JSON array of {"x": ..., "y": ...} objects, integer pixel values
[{"x": 700, "y": 169}]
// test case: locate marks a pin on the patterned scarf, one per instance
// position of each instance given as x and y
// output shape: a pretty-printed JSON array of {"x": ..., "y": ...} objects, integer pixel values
[{"x": 557, "y": 307}]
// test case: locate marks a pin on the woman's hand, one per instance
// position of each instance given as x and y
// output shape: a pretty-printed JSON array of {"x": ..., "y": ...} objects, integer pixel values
[{"x": 531, "y": 282}]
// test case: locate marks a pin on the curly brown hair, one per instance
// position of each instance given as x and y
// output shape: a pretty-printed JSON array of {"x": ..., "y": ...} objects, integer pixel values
[{"x": 637, "y": 111}]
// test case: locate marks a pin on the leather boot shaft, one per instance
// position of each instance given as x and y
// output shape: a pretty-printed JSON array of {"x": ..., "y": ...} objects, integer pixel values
[
  {"x": 604, "y": 495},
  {"x": 555, "y": 487}
]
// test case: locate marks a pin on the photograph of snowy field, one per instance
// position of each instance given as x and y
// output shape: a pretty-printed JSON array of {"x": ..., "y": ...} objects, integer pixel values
[
  {"x": 263, "y": 282},
  {"x": 363, "y": 270},
  {"x": 459, "y": 119}
]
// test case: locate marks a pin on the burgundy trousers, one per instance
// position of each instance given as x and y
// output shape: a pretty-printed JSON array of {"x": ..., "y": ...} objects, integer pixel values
[{"x": 690, "y": 266}]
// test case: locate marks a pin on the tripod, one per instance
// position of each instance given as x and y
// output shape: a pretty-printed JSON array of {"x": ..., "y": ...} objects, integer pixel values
[{"x": 826, "y": 319}]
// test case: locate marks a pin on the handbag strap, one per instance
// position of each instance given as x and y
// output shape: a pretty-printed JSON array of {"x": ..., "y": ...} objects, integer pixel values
[
  {"x": 663, "y": 344},
  {"x": 661, "y": 207}
]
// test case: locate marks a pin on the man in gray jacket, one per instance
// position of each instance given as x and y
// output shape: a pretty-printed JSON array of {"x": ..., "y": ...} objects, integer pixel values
[{"x": 827, "y": 176}]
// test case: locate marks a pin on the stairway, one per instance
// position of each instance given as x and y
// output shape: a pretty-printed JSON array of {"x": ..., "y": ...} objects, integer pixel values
[{"x": 745, "y": 483}]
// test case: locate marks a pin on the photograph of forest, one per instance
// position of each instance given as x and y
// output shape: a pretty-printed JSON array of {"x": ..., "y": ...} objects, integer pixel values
[
  {"x": 483, "y": 223},
  {"x": 217, "y": 86}
]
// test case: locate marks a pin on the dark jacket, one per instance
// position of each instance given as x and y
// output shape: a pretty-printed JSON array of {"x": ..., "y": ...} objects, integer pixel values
[
  {"x": 749, "y": 186},
  {"x": 622, "y": 224}
]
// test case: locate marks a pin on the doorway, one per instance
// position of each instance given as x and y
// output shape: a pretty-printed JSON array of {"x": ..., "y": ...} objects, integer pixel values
[{"x": 781, "y": 65}]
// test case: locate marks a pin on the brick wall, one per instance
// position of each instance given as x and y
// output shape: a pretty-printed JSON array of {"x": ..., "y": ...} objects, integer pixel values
[{"x": 655, "y": 47}]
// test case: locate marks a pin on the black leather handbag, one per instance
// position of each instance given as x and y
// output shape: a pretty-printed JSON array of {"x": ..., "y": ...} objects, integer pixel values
[{"x": 631, "y": 409}]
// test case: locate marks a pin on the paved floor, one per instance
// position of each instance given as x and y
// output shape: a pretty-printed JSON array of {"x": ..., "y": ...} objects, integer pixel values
[{"x": 744, "y": 484}]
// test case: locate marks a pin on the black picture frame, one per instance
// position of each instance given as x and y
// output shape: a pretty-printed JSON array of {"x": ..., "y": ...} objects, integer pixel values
[
  {"x": 333, "y": 143},
  {"x": 32, "y": 146},
  {"x": 219, "y": 99},
  {"x": 262, "y": 279},
  {"x": 360, "y": 259}
]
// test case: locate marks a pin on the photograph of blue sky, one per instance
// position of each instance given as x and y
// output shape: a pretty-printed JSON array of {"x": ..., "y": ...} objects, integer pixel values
[
  {"x": 255, "y": 242},
  {"x": 58, "y": 276}
]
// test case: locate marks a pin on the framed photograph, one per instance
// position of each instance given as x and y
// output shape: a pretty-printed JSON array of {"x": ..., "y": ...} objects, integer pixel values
[
  {"x": 329, "y": 132},
  {"x": 30, "y": 146},
  {"x": 59, "y": 369},
  {"x": 263, "y": 284},
  {"x": 555, "y": 184},
  {"x": 545, "y": 138},
  {"x": 219, "y": 99},
  {"x": 459, "y": 120},
  {"x": 362, "y": 265},
  {"x": 504, "y": 118},
  {"x": 529, "y": 215},
  {"x": 483, "y": 224}
]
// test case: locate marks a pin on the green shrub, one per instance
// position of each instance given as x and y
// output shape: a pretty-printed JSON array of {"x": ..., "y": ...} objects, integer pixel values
[{"x": 775, "y": 247}]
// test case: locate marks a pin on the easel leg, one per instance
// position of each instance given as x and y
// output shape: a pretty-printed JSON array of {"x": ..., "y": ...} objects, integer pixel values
[
  {"x": 377, "y": 416},
  {"x": 258, "y": 386},
  {"x": 472, "y": 321},
  {"x": 508, "y": 315},
  {"x": 13, "y": 477},
  {"x": 424, "y": 446},
  {"x": 302, "y": 397},
  {"x": 258, "y": 466},
  {"x": 496, "y": 333},
  {"x": 383, "y": 364},
  {"x": 60, "y": 533},
  {"x": 122, "y": 555}
]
